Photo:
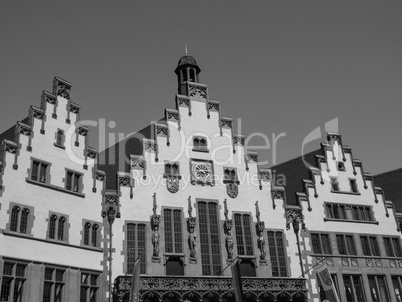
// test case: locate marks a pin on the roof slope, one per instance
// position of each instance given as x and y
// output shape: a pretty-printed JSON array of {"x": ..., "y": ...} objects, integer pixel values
[
  {"x": 391, "y": 183},
  {"x": 293, "y": 172}
]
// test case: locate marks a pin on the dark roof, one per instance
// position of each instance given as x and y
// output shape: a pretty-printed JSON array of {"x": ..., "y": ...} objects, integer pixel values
[
  {"x": 117, "y": 157},
  {"x": 293, "y": 172},
  {"x": 9, "y": 134},
  {"x": 185, "y": 60},
  {"x": 391, "y": 184}
]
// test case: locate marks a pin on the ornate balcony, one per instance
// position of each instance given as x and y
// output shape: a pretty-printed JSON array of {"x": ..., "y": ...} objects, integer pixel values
[{"x": 159, "y": 288}]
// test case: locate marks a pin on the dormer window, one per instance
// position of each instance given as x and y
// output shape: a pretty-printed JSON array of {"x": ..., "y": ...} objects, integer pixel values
[
  {"x": 200, "y": 144},
  {"x": 73, "y": 181}
]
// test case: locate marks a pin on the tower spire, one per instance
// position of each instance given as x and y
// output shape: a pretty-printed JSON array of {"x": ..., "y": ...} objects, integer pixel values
[{"x": 185, "y": 49}]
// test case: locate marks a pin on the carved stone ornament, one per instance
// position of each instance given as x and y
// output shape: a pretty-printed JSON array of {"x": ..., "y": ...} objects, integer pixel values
[
  {"x": 184, "y": 102},
  {"x": 25, "y": 130},
  {"x": 332, "y": 137},
  {"x": 278, "y": 194},
  {"x": 172, "y": 116},
  {"x": 232, "y": 189},
  {"x": 91, "y": 153},
  {"x": 82, "y": 131},
  {"x": 162, "y": 131},
  {"x": 265, "y": 176},
  {"x": 63, "y": 90},
  {"x": 38, "y": 114},
  {"x": 252, "y": 158},
  {"x": 295, "y": 217},
  {"x": 150, "y": 146},
  {"x": 226, "y": 123},
  {"x": 74, "y": 108},
  {"x": 202, "y": 91},
  {"x": 124, "y": 181},
  {"x": 357, "y": 163},
  {"x": 11, "y": 148},
  {"x": 347, "y": 150},
  {"x": 213, "y": 106},
  {"x": 138, "y": 163},
  {"x": 155, "y": 220},
  {"x": 239, "y": 140},
  {"x": 172, "y": 184},
  {"x": 191, "y": 222},
  {"x": 202, "y": 288},
  {"x": 50, "y": 99}
]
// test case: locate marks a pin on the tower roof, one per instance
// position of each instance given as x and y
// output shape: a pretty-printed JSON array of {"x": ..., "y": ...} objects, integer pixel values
[{"x": 187, "y": 60}]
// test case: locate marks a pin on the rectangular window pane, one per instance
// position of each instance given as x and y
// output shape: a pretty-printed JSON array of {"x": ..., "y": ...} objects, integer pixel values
[
  {"x": 341, "y": 244},
  {"x": 397, "y": 288},
  {"x": 214, "y": 233},
  {"x": 239, "y": 234},
  {"x": 178, "y": 243},
  {"x": 141, "y": 246},
  {"x": 247, "y": 235},
  {"x": 316, "y": 243},
  {"x": 374, "y": 246},
  {"x": 130, "y": 247},
  {"x": 325, "y": 244},
  {"x": 351, "y": 245},
  {"x": 397, "y": 247},
  {"x": 365, "y": 246},
  {"x": 167, "y": 214},
  {"x": 204, "y": 238},
  {"x": 47, "y": 292},
  {"x": 281, "y": 254},
  {"x": 388, "y": 247},
  {"x": 273, "y": 253}
]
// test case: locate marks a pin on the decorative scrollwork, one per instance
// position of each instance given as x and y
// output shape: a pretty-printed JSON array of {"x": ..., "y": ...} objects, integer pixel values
[
  {"x": 265, "y": 176},
  {"x": 155, "y": 220},
  {"x": 50, "y": 99},
  {"x": 278, "y": 194},
  {"x": 74, "y": 108},
  {"x": 83, "y": 131},
  {"x": 357, "y": 163},
  {"x": 38, "y": 114},
  {"x": 354, "y": 262},
  {"x": 226, "y": 123},
  {"x": 184, "y": 102},
  {"x": 198, "y": 288},
  {"x": 295, "y": 216},
  {"x": 63, "y": 90},
  {"x": 213, "y": 106},
  {"x": 161, "y": 130},
  {"x": 138, "y": 163},
  {"x": 25, "y": 130},
  {"x": 332, "y": 137},
  {"x": 91, "y": 153},
  {"x": 150, "y": 146},
  {"x": 239, "y": 140},
  {"x": 252, "y": 158},
  {"x": 345, "y": 262},
  {"x": 347, "y": 150},
  {"x": 100, "y": 176},
  {"x": 11, "y": 148},
  {"x": 173, "y": 116}
]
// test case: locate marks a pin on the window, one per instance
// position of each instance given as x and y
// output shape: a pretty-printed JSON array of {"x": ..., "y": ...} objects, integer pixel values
[
  {"x": 320, "y": 243},
  {"x": 60, "y": 138},
  {"x": 362, "y": 213},
  {"x": 230, "y": 175},
  {"x": 243, "y": 234},
  {"x": 209, "y": 238},
  {"x": 346, "y": 245},
  {"x": 341, "y": 166},
  {"x": 172, "y": 169},
  {"x": 353, "y": 186},
  {"x": 20, "y": 220},
  {"x": 73, "y": 181},
  {"x": 174, "y": 266},
  {"x": 392, "y": 247},
  {"x": 53, "y": 285},
  {"x": 39, "y": 171},
  {"x": 135, "y": 239},
  {"x": 173, "y": 232},
  {"x": 91, "y": 234},
  {"x": 336, "y": 211},
  {"x": 57, "y": 228},
  {"x": 89, "y": 287},
  {"x": 353, "y": 288},
  {"x": 12, "y": 285},
  {"x": 396, "y": 281},
  {"x": 369, "y": 246},
  {"x": 200, "y": 144},
  {"x": 277, "y": 253},
  {"x": 378, "y": 289},
  {"x": 334, "y": 184}
]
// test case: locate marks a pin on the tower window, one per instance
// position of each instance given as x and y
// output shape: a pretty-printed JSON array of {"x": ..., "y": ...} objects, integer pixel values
[
  {"x": 353, "y": 186},
  {"x": 172, "y": 169},
  {"x": 192, "y": 75}
]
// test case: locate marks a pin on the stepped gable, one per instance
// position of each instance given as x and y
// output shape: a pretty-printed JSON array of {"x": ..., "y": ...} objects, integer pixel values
[{"x": 391, "y": 184}]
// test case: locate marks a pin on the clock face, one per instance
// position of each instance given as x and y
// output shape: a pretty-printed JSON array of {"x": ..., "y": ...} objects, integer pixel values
[{"x": 202, "y": 171}]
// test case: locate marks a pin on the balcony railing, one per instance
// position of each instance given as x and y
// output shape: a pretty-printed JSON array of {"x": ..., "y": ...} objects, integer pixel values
[{"x": 214, "y": 288}]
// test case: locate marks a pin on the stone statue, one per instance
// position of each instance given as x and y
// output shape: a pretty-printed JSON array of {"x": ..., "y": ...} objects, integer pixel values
[{"x": 191, "y": 243}]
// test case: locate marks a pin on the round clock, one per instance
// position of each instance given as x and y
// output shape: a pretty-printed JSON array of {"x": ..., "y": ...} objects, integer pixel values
[{"x": 202, "y": 171}]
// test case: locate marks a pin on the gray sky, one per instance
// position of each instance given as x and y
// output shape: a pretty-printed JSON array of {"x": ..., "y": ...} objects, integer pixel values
[{"x": 282, "y": 66}]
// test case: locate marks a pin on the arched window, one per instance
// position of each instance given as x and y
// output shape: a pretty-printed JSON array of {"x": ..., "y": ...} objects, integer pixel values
[
  {"x": 87, "y": 228},
  {"x": 14, "y": 219},
  {"x": 60, "y": 138},
  {"x": 95, "y": 235},
  {"x": 52, "y": 226},
  {"x": 60, "y": 231},
  {"x": 24, "y": 221},
  {"x": 192, "y": 75}
]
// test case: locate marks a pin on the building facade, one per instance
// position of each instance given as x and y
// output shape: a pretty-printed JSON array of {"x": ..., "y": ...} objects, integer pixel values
[
  {"x": 349, "y": 226},
  {"x": 51, "y": 238},
  {"x": 187, "y": 199}
]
